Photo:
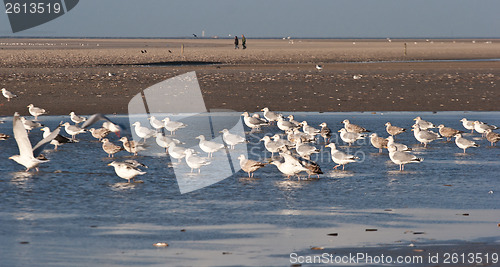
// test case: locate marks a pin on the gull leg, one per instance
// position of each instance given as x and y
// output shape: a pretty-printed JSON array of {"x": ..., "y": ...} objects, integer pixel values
[{"x": 336, "y": 167}]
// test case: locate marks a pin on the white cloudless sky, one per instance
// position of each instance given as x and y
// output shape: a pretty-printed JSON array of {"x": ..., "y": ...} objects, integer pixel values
[{"x": 273, "y": 18}]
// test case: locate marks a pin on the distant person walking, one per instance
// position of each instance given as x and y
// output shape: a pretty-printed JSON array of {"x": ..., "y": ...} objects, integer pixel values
[
  {"x": 236, "y": 42},
  {"x": 243, "y": 41}
]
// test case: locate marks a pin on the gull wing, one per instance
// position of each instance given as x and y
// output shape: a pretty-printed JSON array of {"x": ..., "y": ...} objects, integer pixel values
[
  {"x": 21, "y": 136},
  {"x": 97, "y": 117},
  {"x": 40, "y": 145}
]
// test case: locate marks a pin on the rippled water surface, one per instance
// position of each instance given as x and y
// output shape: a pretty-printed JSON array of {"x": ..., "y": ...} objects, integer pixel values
[{"x": 76, "y": 211}]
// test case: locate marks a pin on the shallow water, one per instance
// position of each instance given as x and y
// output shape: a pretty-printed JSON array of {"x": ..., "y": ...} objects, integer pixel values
[{"x": 77, "y": 211}]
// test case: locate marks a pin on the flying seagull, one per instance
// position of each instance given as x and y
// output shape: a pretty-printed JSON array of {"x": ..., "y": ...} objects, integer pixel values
[{"x": 28, "y": 154}]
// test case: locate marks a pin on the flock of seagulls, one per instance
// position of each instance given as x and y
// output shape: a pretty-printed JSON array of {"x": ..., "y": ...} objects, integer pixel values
[{"x": 293, "y": 146}]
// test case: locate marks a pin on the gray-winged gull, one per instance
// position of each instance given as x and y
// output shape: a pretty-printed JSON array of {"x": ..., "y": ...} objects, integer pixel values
[
  {"x": 75, "y": 118},
  {"x": 401, "y": 157},
  {"x": 72, "y": 130},
  {"x": 353, "y": 128},
  {"x": 58, "y": 140},
  {"x": 209, "y": 146},
  {"x": 232, "y": 139},
  {"x": 464, "y": 143},
  {"x": 36, "y": 111},
  {"x": 126, "y": 170},
  {"x": 172, "y": 126},
  {"x": 8, "y": 94},
  {"x": 195, "y": 162},
  {"x": 424, "y": 136},
  {"x": 350, "y": 137},
  {"x": 423, "y": 125},
  {"x": 469, "y": 125},
  {"x": 340, "y": 157},
  {"x": 143, "y": 132}
]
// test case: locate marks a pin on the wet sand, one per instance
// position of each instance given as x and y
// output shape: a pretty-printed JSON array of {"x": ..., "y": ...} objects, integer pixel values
[{"x": 63, "y": 75}]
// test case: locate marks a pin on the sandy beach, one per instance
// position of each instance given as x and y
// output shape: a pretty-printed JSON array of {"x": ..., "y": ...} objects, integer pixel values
[{"x": 63, "y": 75}]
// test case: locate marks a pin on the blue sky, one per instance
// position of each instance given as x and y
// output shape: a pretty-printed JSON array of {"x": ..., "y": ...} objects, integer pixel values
[{"x": 273, "y": 18}]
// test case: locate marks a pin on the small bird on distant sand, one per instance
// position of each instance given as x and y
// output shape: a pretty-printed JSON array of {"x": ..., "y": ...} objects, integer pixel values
[
  {"x": 35, "y": 111},
  {"x": 8, "y": 94},
  {"x": 319, "y": 67}
]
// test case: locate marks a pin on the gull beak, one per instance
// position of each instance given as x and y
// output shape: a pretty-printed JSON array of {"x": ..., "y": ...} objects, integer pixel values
[
  {"x": 109, "y": 164},
  {"x": 413, "y": 129},
  {"x": 338, "y": 131}
]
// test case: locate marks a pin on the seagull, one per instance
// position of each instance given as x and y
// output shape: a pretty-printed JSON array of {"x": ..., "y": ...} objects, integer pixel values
[
  {"x": 110, "y": 148},
  {"x": 35, "y": 111},
  {"x": 481, "y": 127},
  {"x": 309, "y": 129},
  {"x": 164, "y": 141},
  {"x": 232, "y": 139},
  {"x": 99, "y": 133},
  {"x": 271, "y": 146},
  {"x": 492, "y": 137},
  {"x": 143, "y": 132},
  {"x": 350, "y": 137},
  {"x": 175, "y": 151},
  {"x": 282, "y": 142},
  {"x": 249, "y": 165},
  {"x": 132, "y": 146},
  {"x": 28, "y": 155},
  {"x": 72, "y": 130},
  {"x": 469, "y": 125},
  {"x": 353, "y": 128},
  {"x": 423, "y": 125},
  {"x": 311, "y": 167},
  {"x": 399, "y": 147},
  {"x": 58, "y": 139},
  {"x": 252, "y": 122},
  {"x": 401, "y": 157},
  {"x": 76, "y": 119},
  {"x": 357, "y": 76},
  {"x": 464, "y": 143},
  {"x": 447, "y": 131},
  {"x": 8, "y": 94},
  {"x": 424, "y": 136},
  {"x": 325, "y": 132},
  {"x": 288, "y": 169},
  {"x": 378, "y": 142},
  {"x": 284, "y": 125},
  {"x": 195, "y": 162},
  {"x": 340, "y": 157},
  {"x": 305, "y": 150},
  {"x": 172, "y": 126},
  {"x": 209, "y": 146},
  {"x": 394, "y": 130},
  {"x": 293, "y": 121},
  {"x": 108, "y": 124},
  {"x": 269, "y": 115},
  {"x": 126, "y": 170},
  {"x": 319, "y": 67},
  {"x": 157, "y": 124},
  {"x": 29, "y": 124}
]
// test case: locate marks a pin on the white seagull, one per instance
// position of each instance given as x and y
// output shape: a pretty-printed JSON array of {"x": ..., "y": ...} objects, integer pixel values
[
  {"x": 76, "y": 119},
  {"x": 143, "y": 132},
  {"x": 424, "y": 136},
  {"x": 423, "y": 125},
  {"x": 340, "y": 157},
  {"x": 232, "y": 139},
  {"x": 8, "y": 94},
  {"x": 28, "y": 154},
  {"x": 195, "y": 162},
  {"x": 401, "y": 157},
  {"x": 209, "y": 146},
  {"x": 172, "y": 126},
  {"x": 126, "y": 170},
  {"x": 72, "y": 130},
  {"x": 157, "y": 124},
  {"x": 35, "y": 111},
  {"x": 464, "y": 143},
  {"x": 469, "y": 125},
  {"x": 350, "y": 137}
]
